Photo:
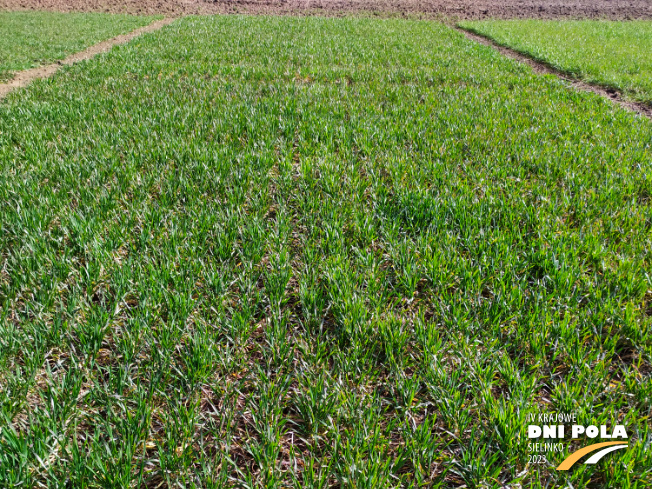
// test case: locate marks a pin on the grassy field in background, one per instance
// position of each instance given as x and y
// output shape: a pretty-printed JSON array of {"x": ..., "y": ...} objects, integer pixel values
[
  {"x": 249, "y": 251},
  {"x": 29, "y": 39},
  {"x": 608, "y": 53}
]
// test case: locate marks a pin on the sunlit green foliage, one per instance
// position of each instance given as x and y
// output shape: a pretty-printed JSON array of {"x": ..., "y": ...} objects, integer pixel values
[
  {"x": 608, "y": 53},
  {"x": 271, "y": 252},
  {"x": 29, "y": 39}
]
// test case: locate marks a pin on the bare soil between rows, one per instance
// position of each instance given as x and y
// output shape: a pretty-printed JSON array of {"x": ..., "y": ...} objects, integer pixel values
[{"x": 455, "y": 9}]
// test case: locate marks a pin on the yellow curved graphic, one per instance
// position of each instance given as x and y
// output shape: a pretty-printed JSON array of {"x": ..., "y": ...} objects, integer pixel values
[{"x": 575, "y": 456}]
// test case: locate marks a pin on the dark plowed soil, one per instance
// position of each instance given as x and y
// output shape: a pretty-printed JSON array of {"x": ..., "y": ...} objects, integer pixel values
[{"x": 461, "y": 9}]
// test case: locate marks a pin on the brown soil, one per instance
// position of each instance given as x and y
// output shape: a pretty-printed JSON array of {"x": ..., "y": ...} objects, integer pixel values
[
  {"x": 461, "y": 9},
  {"x": 22, "y": 78}
]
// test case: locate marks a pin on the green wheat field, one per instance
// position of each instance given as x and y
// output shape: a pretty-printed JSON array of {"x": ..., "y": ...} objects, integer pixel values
[
  {"x": 306, "y": 252},
  {"x": 615, "y": 55},
  {"x": 30, "y": 39}
]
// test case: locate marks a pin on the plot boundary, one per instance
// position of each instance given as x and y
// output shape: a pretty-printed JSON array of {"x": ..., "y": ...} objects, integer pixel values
[
  {"x": 547, "y": 69},
  {"x": 25, "y": 77}
]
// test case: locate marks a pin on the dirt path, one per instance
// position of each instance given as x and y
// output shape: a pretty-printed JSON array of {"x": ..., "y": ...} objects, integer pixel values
[
  {"x": 543, "y": 68},
  {"x": 456, "y": 9},
  {"x": 23, "y": 78}
]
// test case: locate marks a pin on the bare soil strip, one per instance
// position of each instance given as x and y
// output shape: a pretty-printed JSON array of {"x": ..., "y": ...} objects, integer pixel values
[
  {"x": 454, "y": 9},
  {"x": 544, "y": 68},
  {"x": 25, "y": 77}
]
